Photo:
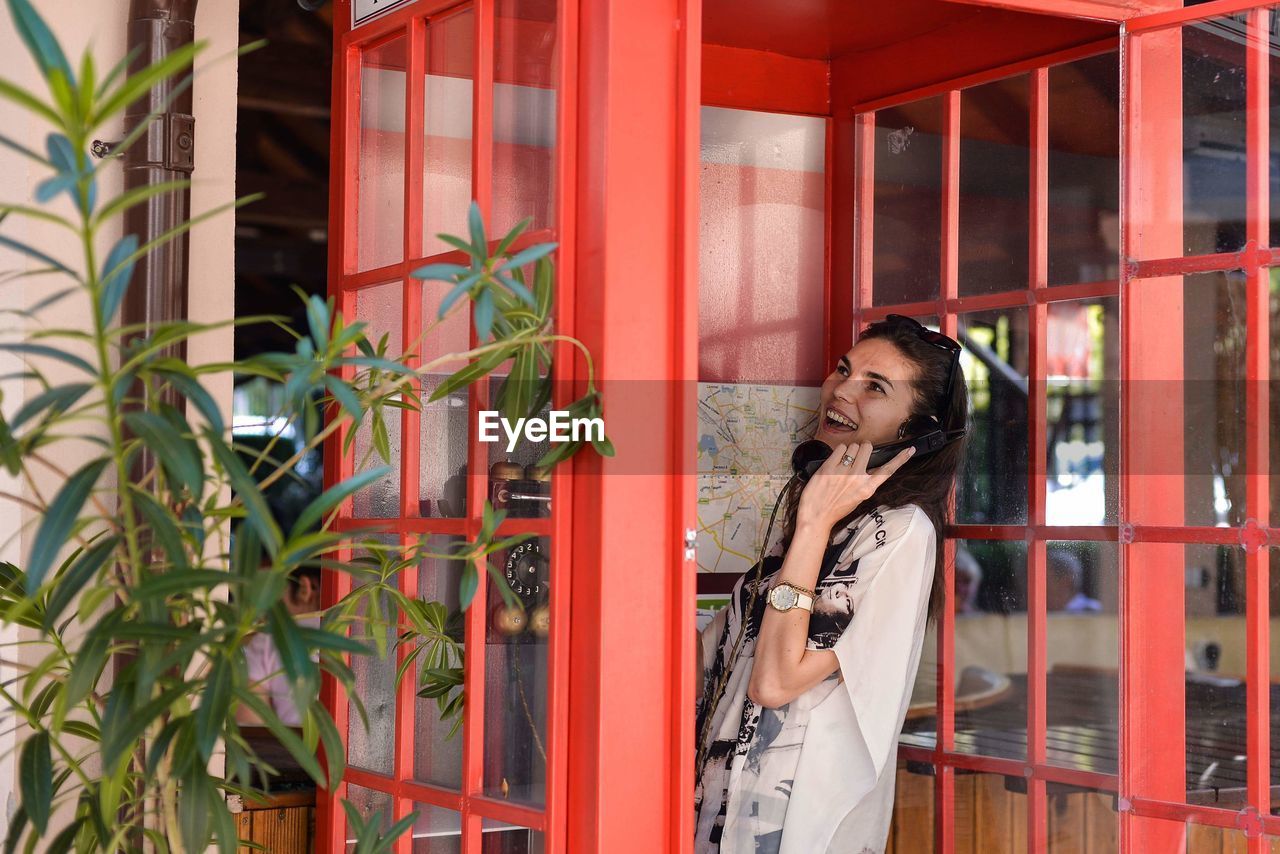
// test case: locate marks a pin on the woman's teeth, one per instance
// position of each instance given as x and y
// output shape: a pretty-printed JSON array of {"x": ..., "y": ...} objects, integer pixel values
[{"x": 836, "y": 419}]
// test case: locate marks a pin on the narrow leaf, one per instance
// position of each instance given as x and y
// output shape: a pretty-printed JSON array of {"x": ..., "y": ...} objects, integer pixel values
[
  {"x": 117, "y": 271},
  {"x": 59, "y": 520},
  {"x": 36, "y": 780}
]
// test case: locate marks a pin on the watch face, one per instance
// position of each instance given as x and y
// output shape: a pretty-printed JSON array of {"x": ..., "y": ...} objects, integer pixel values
[
  {"x": 783, "y": 598},
  {"x": 526, "y": 572}
]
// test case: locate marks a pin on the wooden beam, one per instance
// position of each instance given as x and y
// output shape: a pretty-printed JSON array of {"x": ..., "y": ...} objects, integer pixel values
[{"x": 1090, "y": 10}]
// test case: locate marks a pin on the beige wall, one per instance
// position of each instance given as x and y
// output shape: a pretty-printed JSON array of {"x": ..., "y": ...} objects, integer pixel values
[{"x": 101, "y": 25}]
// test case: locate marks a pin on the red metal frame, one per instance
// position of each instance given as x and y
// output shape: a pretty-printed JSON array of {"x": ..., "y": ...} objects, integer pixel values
[
  {"x": 411, "y": 22},
  {"x": 1037, "y": 296}
]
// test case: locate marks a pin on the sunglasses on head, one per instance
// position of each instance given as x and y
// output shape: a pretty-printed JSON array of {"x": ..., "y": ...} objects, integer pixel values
[{"x": 942, "y": 342}]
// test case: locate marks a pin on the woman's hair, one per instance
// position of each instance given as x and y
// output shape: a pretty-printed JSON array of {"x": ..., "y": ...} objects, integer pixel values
[{"x": 925, "y": 480}]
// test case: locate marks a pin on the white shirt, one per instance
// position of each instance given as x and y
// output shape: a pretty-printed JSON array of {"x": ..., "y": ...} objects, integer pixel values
[{"x": 818, "y": 775}]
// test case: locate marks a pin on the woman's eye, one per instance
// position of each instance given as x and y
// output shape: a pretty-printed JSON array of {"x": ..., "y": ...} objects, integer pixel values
[
  {"x": 842, "y": 370},
  {"x": 875, "y": 386}
]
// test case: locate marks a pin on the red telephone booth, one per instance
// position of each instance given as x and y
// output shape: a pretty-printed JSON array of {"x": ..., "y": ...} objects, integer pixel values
[{"x": 1078, "y": 190}]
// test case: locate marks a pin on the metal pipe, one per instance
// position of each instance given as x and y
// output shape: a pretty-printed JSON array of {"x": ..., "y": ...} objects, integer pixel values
[{"x": 166, "y": 152}]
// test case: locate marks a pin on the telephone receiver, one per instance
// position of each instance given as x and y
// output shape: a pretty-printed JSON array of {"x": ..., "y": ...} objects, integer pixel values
[{"x": 809, "y": 456}]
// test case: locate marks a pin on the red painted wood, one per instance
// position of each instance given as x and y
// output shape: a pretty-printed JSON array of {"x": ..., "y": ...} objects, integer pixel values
[
  {"x": 622, "y": 645},
  {"x": 1152, "y": 714},
  {"x": 1093, "y": 10},
  {"x": 748, "y": 79}
]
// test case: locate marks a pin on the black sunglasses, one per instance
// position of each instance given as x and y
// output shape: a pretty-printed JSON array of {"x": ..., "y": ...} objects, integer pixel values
[{"x": 942, "y": 342}]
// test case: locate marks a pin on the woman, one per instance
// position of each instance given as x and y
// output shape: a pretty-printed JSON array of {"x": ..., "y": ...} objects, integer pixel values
[{"x": 798, "y": 754}]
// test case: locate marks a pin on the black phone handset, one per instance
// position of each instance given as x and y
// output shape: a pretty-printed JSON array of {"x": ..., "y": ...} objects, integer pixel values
[{"x": 809, "y": 456}]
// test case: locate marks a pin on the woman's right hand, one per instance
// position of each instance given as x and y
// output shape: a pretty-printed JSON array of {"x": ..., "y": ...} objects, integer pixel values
[{"x": 836, "y": 489}]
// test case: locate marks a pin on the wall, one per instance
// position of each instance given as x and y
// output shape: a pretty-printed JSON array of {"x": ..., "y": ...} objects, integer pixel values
[{"x": 101, "y": 25}]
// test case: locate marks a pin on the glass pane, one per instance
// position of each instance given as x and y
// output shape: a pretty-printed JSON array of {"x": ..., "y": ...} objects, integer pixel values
[
  {"x": 912, "y": 826},
  {"x": 1213, "y": 136},
  {"x": 526, "y": 57},
  {"x": 990, "y": 652},
  {"x": 993, "y": 487},
  {"x": 1214, "y": 397},
  {"x": 446, "y": 180},
  {"x": 1082, "y": 644},
  {"x": 372, "y": 748},
  {"x": 906, "y": 259},
  {"x": 761, "y": 239},
  {"x": 1082, "y": 417},
  {"x": 501, "y": 838},
  {"x": 380, "y": 183},
  {"x": 437, "y": 755},
  {"x": 515, "y": 704},
  {"x": 995, "y": 183},
  {"x": 437, "y": 831},
  {"x": 445, "y": 424},
  {"x": 381, "y": 307},
  {"x": 1084, "y": 170},
  {"x": 1215, "y": 675},
  {"x": 368, "y": 802},
  {"x": 1081, "y": 821}
]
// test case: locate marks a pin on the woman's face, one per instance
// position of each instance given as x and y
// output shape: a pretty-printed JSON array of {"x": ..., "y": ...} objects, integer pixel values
[{"x": 867, "y": 396}]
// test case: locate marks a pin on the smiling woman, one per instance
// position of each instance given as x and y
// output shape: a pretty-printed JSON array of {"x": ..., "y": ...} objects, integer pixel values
[{"x": 805, "y": 695}]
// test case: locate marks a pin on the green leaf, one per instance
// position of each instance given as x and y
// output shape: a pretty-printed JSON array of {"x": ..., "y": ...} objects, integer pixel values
[
  {"x": 438, "y": 272},
  {"x": 335, "y": 495},
  {"x": 163, "y": 528},
  {"x": 138, "y": 85},
  {"x": 471, "y": 372},
  {"x": 87, "y": 664},
  {"x": 39, "y": 39},
  {"x": 215, "y": 703},
  {"x": 179, "y": 455},
  {"x": 35, "y": 780},
  {"x": 519, "y": 387},
  {"x": 32, "y": 252},
  {"x": 48, "y": 353},
  {"x": 511, "y": 236},
  {"x": 190, "y": 388},
  {"x": 163, "y": 584},
  {"x": 117, "y": 272},
  {"x": 59, "y": 520},
  {"x": 484, "y": 315},
  {"x": 259, "y": 515},
  {"x": 12, "y": 92},
  {"x": 62, "y": 843},
  {"x": 17, "y": 823},
  {"x": 193, "y": 810},
  {"x": 468, "y": 585},
  {"x": 57, "y": 400},
  {"x": 74, "y": 580},
  {"x": 334, "y": 754},
  {"x": 475, "y": 224},
  {"x": 138, "y": 195},
  {"x": 295, "y": 658},
  {"x": 345, "y": 396},
  {"x": 528, "y": 256},
  {"x": 603, "y": 447},
  {"x": 286, "y": 736}
]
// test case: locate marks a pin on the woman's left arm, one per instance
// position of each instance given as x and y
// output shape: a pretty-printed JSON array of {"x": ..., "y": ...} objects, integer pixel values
[{"x": 783, "y": 668}]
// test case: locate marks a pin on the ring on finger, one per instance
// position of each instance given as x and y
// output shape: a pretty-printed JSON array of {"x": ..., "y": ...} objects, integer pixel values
[{"x": 847, "y": 460}]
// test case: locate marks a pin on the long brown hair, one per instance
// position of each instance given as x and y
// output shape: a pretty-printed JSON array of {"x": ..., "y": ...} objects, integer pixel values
[{"x": 925, "y": 481}]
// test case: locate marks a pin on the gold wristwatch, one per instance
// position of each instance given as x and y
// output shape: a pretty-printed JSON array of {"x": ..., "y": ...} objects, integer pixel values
[{"x": 785, "y": 596}]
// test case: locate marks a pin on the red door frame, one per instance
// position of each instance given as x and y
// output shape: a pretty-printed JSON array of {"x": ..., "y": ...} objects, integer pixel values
[{"x": 627, "y": 209}]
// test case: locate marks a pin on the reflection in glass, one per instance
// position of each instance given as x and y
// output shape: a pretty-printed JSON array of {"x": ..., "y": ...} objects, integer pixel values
[
  {"x": 445, "y": 425},
  {"x": 526, "y": 57},
  {"x": 515, "y": 766},
  {"x": 372, "y": 748},
  {"x": 437, "y": 831},
  {"x": 1213, "y": 136},
  {"x": 761, "y": 238},
  {"x": 381, "y": 307},
  {"x": 498, "y": 837},
  {"x": 1082, "y": 423},
  {"x": 437, "y": 756},
  {"x": 1082, "y": 821},
  {"x": 993, "y": 486},
  {"x": 907, "y": 208},
  {"x": 446, "y": 161},
  {"x": 990, "y": 656},
  {"x": 1084, "y": 170},
  {"x": 1082, "y": 644},
  {"x": 380, "y": 206},
  {"x": 367, "y": 802},
  {"x": 995, "y": 185},
  {"x": 1215, "y": 653},
  {"x": 1213, "y": 393}
]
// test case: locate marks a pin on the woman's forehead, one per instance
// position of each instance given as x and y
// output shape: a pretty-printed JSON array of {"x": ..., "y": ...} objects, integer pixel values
[{"x": 876, "y": 355}]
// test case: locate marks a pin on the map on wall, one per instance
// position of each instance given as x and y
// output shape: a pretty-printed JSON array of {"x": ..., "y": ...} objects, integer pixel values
[{"x": 745, "y": 437}]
